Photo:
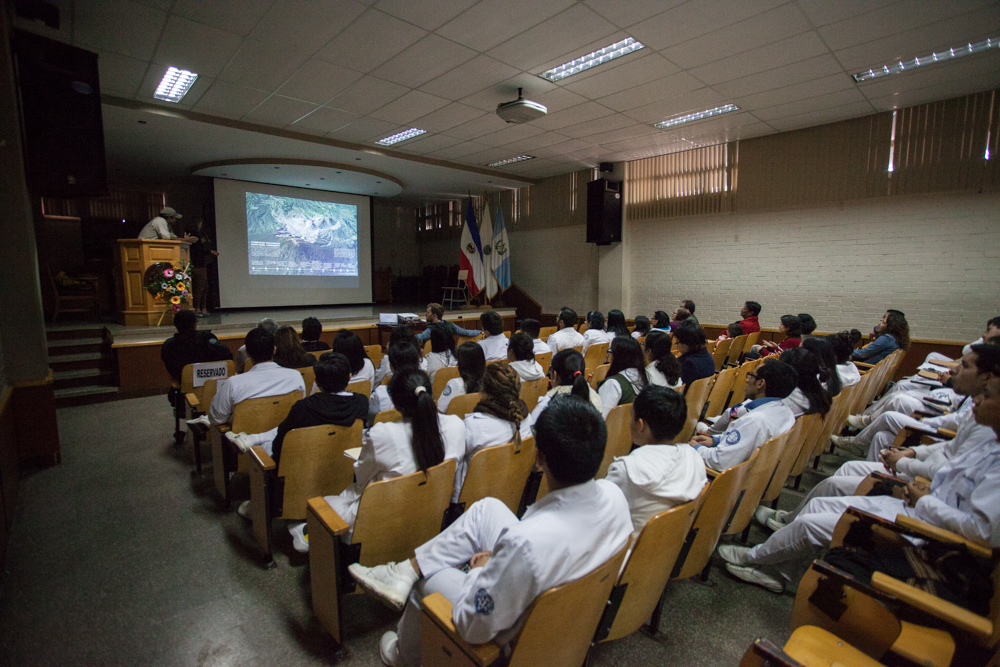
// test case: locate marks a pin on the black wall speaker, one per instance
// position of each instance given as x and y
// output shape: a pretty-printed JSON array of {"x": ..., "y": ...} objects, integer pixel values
[
  {"x": 606, "y": 167},
  {"x": 604, "y": 212},
  {"x": 60, "y": 105}
]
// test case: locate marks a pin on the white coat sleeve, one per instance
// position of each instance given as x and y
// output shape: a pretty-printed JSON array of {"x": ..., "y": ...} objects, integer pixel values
[
  {"x": 366, "y": 467},
  {"x": 221, "y": 410},
  {"x": 610, "y": 393},
  {"x": 978, "y": 521},
  {"x": 617, "y": 475},
  {"x": 735, "y": 447}
]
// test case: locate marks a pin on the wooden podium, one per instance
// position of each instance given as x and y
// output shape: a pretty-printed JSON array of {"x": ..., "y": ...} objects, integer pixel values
[{"x": 136, "y": 306}]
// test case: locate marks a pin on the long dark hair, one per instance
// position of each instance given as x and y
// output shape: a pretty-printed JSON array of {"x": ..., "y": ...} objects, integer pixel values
[
  {"x": 642, "y": 324},
  {"x": 288, "y": 350},
  {"x": 793, "y": 326},
  {"x": 897, "y": 327},
  {"x": 807, "y": 367},
  {"x": 471, "y": 365},
  {"x": 569, "y": 367},
  {"x": 410, "y": 391},
  {"x": 349, "y": 345},
  {"x": 659, "y": 344},
  {"x": 442, "y": 339},
  {"x": 820, "y": 346},
  {"x": 595, "y": 320},
  {"x": 616, "y": 323},
  {"x": 626, "y": 353},
  {"x": 500, "y": 396}
]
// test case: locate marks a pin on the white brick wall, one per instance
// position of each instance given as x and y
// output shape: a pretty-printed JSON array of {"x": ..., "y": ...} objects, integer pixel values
[{"x": 936, "y": 258}]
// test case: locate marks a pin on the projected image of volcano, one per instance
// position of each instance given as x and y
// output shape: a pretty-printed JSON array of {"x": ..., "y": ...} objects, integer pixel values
[{"x": 301, "y": 237}]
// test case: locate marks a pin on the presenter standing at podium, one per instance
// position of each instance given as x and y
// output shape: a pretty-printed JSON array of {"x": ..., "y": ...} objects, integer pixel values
[{"x": 161, "y": 227}]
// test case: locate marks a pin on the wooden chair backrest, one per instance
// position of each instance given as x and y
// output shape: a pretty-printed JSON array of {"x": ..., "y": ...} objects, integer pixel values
[
  {"x": 814, "y": 433},
  {"x": 600, "y": 374},
  {"x": 388, "y": 416},
  {"x": 583, "y": 328},
  {"x": 740, "y": 383},
  {"x": 427, "y": 347},
  {"x": 395, "y": 516},
  {"x": 596, "y": 355},
  {"x": 363, "y": 387},
  {"x": 695, "y": 398},
  {"x": 465, "y": 339},
  {"x": 736, "y": 349},
  {"x": 796, "y": 440},
  {"x": 463, "y": 405},
  {"x": 208, "y": 392},
  {"x": 719, "y": 395},
  {"x": 544, "y": 359},
  {"x": 317, "y": 353},
  {"x": 313, "y": 464},
  {"x": 247, "y": 365},
  {"x": 578, "y": 348},
  {"x": 619, "y": 442},
  {"x": 545, "y": 332},
  {"x": 723, "y": 495},
  {"x": 752, "y": 339},
  {"x": 187, "y": 381},
  {"x": 499, "y": 472},
  {"x": 721, "y": 353},
  {"x": 441, "y": 378},
  {"x": 710, "y": 346},
  {"x": 756, "y": 482},
  {"x": 532, "y": 390},
  {"x": 374, "y": 353},
  {"x": 560, "y": 624},
  {"x": 835, "y": 418},
  {"x": 650, "y": 563},
  {"x": 309, "y": 377},
  {"x": 642, "y": 340},
  {"x": 257, "y": 415}
]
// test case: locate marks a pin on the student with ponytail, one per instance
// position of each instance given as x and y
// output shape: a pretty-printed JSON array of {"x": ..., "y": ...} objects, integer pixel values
[
  {"x": 471, "y": 366},
  {"x": 402, "y": 357},
  {"x": 626, "y": 377},
  {"x": 662, "y": 367},
  {"x": 567, "y": 375},
  {"x": 809, "y": 397}
]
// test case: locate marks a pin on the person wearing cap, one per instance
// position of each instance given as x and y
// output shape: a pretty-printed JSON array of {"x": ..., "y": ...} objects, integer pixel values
[{"x": 160, "y": 227}]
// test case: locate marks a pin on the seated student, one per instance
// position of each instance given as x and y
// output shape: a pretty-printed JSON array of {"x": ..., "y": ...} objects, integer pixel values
[
  {"x": 288, "y": 350},
  {"x": 499, "y": 417},
  {"x": 696, "y": 361},
  {"x": 577, "y": 527},
  {"x": 842, "y": 348},
  {"x": 662, "y": 367},
  {"x": 750, "y": 314},
  {"x": 566, "y": 336},
  {"x": 809, "y": 397},
  {"x": 734, "y": 330},
  {"x": 963, "y": 497},
  {"x": 595, "y": 332},
  {"x": 422, "y": 440},
  {"x": 521, "y": 358},
  {"x": 680, "y": 315},
  {"x": 992, "y": 329},
  {"x": 442, "y": 354},
  {"x": 750, "y": 424},
  {"x": 268, "y": 325},
  {"x": 532, "y": 328},
  {"x": 349, "y": 345},
  {"x": 642, "y": 326},
  {"x": 688, "y": 305},
  {"x": 399, "y": 334},
  {"x": 190, "y": 346},
  {"x": 567, "y": 375},
  {"x": 616, "y": 325},
  {"x": 331, "y": 405},
  {"x": 434, "y": 315},
  {"x": 402, "y": 356},
  {"x": 657, "y": 475},
  {"x": 808, "y": 324},
  {"x": 828, "y": 377},
  {"x": 792, "y": 328},
  {"x": 266, "y": 378},
  {"x": 471, "y": 366},
  {"x": 893, "y": 334},
  {"x": 661, "y": 321},
  {"x": 495, "y": 344},
  {"x": 311, "y": 331},
  {"x": 626, "y": 376}
]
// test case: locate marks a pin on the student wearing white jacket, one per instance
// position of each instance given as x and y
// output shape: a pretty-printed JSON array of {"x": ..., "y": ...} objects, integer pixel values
[
  {"x": 402, "y": 357},
  {"x": 533, "y": 328},
  {"x": 626, "y": 376},
  {"x": 992, "y": 329},
  {"x": 595, "y": 332},
  {"x": 662, "y": 367},
  {"x": 442, "y": 354},
  {"x": 566, "y": 336},
  {"x": 809, "y": 397},
  {"x": 577, "y": 527},
  {"x": 964, "y": 497},
  {"x": 521, "y": 358},
  {"x": 566, "y": 374},
  {"x": 752, "y": 423},
  {"x": 657, "y": 476},
  {"x": 471, "y": 366},
  {"x": 495, "y": 343}
]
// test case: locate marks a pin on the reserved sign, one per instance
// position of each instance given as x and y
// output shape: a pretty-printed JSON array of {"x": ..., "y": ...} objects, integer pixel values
[{"x": 211, "y": 370}]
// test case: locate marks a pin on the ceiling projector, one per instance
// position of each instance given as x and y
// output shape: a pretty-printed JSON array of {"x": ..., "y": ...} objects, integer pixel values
[{"x": 521, "y": 110}]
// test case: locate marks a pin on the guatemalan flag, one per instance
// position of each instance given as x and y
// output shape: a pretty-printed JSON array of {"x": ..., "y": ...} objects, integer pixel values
[
  {"x": 500, "y": 257},
  {"x": 472, "y": 253},
  {"x": 487, "y": 226}
]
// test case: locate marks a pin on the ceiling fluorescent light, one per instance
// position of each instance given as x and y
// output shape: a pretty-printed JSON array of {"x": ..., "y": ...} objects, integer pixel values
[
  {"x": 401, "y": 136},
  {"x": 511, "y": 160},
  {"x": 904, "y": 66},
  {"x": 175, "y": 84},
  {"x": 698, "y": 115},
  {"x": 599, "y": 57}
]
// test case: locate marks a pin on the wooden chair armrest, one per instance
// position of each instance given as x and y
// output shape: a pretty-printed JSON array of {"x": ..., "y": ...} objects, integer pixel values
[
  {"x": 224, "y": 428},
  {"x": 328, "y": 516},
  {"x": 946, "y": 611},
  {"x": 438, "y": 609},
  {"x": 922, "y": 479},
  {"x": 861, "y": 364},
  {"x": 924, "y": 529},
  {"x": 192, "y": 400},
  {"x": 711, "y": 472},
  {"x": 947, "y": 433},
  {"x": 260, "y": 458},
  {"x": 174, "y": 384}
]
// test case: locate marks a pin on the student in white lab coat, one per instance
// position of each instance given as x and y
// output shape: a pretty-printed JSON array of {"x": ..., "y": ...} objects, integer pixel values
[
  {"x": 626, "y": 377},
  {"x": 566, "y": 336},
  {"x": 532, "y": 328},
  {"x": 349, "y": 345},
  {"x": 521, "y": 358},
  {"x": 595, "y": 332},
  {"x": 642, "y": 327},
  {"x": 657, "y": 476},
  {"x": 401, "y": 356},
  {"x": 963, "y": 497},
  {"x": 616, "y": 323},
  {"x": 577, "y": 527},
  {"x": 442, "y": 354},
  {"x": 828, "y": 377},
  {"x": 662, "y": 367},
  {"x": 498, "y": 418},
  {"x": 567, "y": 375},
  {"x": 842, "y": 348},
  {"x": 471, "y": 365},
  {"x": 392, "y": 449},
  {"x": 808, "y": 397},
  {"x": 495, "y": 343},
  {"x": 400, "y": 334}
]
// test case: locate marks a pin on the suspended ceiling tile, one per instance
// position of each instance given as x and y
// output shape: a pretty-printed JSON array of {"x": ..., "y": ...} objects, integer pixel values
[
  {"x": 364, "y": 130},
  {"x": 654, "y": 91},
  {"x": 366, "y": 95},
  {"x": 120, "y": 75},
  {"x": 943, "y": 76},
  {"x": 236, "y": 16},
  {"x": 534, "y": 143},
  {"x": 409, "y": 107},
  {"x": 779, "y": 77},
  {"x": 458, "y": 150},
  {"x": 469, "y": 77},
  {"x": 195, "y": 47},
  {"x": 559, "y": 99},
  {"x": 640, "y": 70},
  {"x": 279, "y": 111},
  {"x": 562, "y": 148},
  {"x": 306, "y": 24},
  {"x": 474, "y": 129},
  {"x": 493, "y": 22},
  {"x": 318, "y": 81},
  {"x": 489, "y": 98},
  {"x": 102, "y": 25},
  {"x": 572, "y": 116},
  {"x": 821, "y": 116},
  {"x": 624, "y": 13},
  {"x": 815, "y": 104},
  {"x": 630, "y": 132},
  {"x": 510, "y": 134},
  {"x": 898, "y": 100},
  {"x": 447, "y": 117},
  {"x": 323, "y": 120},
  {"x": 824, "y": 12},
  {"x": 355, "y": 48},
  {"x": 793, "y": 50},
  {"x": 429, "y": 58},
  {"x": 229, "y": 100},
  {"x": 554, "y": 37},
  {"x": 695, "y": 18},
  {"x": 603, "y": 124},
  {"x": 428, "y": 14},
  {"x": 264, "y": 66},
  {"x": 795, "y": 92},
  {"x": 425, "y": 146}
]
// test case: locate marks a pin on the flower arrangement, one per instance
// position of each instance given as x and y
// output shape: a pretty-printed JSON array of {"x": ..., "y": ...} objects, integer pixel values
[{"x": 169, "y": 283}]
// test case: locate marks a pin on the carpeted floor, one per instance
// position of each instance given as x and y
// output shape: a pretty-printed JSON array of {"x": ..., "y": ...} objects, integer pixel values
[{"x": 119, "y": 556}]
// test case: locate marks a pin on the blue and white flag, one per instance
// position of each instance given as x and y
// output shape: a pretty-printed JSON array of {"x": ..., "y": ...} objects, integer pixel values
[
  {"x": 500, "y": 257},
  {"x": 472, "y": 254},
  {"x": 486, "y": 225}
]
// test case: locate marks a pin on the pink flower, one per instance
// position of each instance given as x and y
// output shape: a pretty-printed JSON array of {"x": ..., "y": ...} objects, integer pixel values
[
  {"x": 184, "y": 293},
  {"x": 177, "y": 307},
  {"x": 169, "y": 273}
]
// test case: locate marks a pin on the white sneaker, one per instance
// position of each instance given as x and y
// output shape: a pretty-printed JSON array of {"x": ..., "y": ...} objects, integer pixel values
[
  {"x": 239, "y": 439},
  {"x": 752, "y": 576},
  {"x": 390, "y": 583},
  {"x": 859, "y": 421},
  {"x": 763, "y": 513},
  {"x": 244, "y": 510},
  {"x": 300, "y": 541},
  {"x": 850, "y": 445},
  {"x": 732, "y": 553},
  {"x": 200, "y": 424},
  {"x": 778, "y": 521},
  {"x": 388, "y": 649}
]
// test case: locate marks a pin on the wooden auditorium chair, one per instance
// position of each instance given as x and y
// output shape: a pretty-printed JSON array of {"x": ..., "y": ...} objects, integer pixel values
[
  {"x": 718, "y": 398},
  {"x": 818, "y": 437},
  {"x": 363, "y": 387},
  {"x": 197, "y": 400},
  {"x": 695, "y": 396},
  {"x": 544, "y": 359},
  {"x": 808, "y": 646},
  {"x": 740, "y": 381},
  {"x": 752, "y": 339},
  {"x": 499, "y": 472},
  {"x": 463, "y": 405},
  {"x": 374, "y": 353},
  {"x": 532, "y": 390},
  {"x": 736, "y": 350},
  {"x": 600, "y": 374},
  {"x": 388, "y": 416},
  {"x": 769, "y": 455},
  {"x": 596, "y": 355},
  {"x": 619, "y": 441},
  {"x": 545, "y": 332},
  {"x": 721, "y": 353},
  {"x": 798, "y": 439},
  {"x": 308, "y": 377},
  {"x": 441, "y": 378}
]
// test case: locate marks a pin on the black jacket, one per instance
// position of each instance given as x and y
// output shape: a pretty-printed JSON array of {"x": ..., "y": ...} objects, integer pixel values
[
  {"x": 320, "y": 408},
  {"x": 178, "y": 352}
]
